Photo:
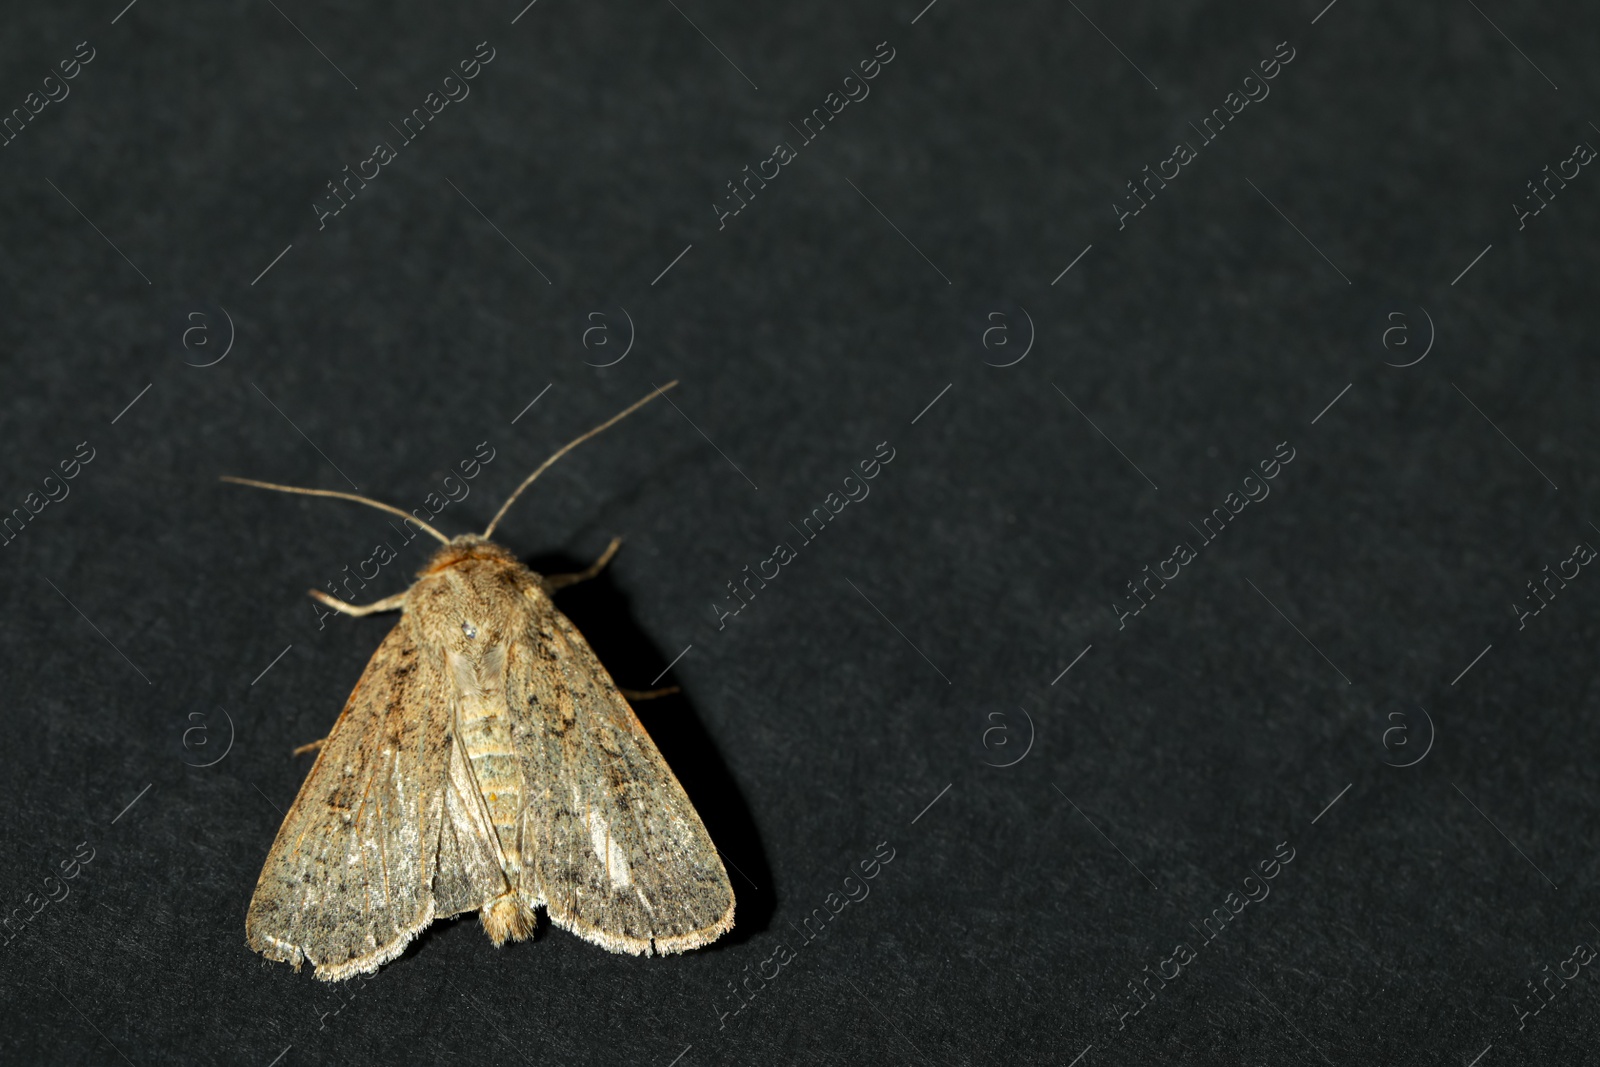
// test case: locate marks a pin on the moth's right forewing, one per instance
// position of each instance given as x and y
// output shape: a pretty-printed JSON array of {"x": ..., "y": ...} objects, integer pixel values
[
  {"x": 349, "y": 880},
  {"x": 610, "y": 843}
]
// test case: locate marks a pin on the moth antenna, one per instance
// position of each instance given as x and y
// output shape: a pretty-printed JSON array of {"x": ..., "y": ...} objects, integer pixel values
[
  {"x": 338, "y": 496},
  {"x": 568, "y": 447}
]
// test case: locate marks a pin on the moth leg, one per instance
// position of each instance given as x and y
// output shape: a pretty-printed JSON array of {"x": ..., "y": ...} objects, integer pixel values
[
  {"x": 648, "y": 694},
  {"x": 388, "y": 603},
  {"x": 552, "y": 582}
]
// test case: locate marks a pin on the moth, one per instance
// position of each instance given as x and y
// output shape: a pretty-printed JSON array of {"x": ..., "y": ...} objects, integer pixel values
[{"x": 485, "y": 762}]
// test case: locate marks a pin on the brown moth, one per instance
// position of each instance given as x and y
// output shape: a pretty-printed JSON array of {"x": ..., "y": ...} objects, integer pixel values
[{"x": 484, "y": 762}]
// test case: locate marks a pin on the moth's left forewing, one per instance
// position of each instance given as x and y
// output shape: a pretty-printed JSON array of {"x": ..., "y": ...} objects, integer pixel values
[
  {"x": 611, "y": 844},
  {"x": 348, "y": 882}
]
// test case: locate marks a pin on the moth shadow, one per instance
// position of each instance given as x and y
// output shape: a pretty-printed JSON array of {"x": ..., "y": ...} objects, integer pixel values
[{"x": 601, "y": 613}]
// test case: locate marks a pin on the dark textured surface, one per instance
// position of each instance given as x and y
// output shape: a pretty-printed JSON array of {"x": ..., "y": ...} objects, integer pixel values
[{"x": 1216, "y": 726}]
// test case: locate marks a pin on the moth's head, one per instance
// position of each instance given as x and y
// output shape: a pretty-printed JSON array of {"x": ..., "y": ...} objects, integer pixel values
[
  {"x": 465, "y": 548},
  {"x": 470, "y": 597}
]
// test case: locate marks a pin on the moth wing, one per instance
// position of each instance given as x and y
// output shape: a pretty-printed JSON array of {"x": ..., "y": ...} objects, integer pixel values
[
  {"x": 471, "y": 865},
  {"x": 349, "y": 880},
  {"x": 610, "y": 844}
]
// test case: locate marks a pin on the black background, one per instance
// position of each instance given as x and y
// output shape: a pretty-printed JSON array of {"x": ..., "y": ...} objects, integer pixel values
[{"x": 922, "y": 638}]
